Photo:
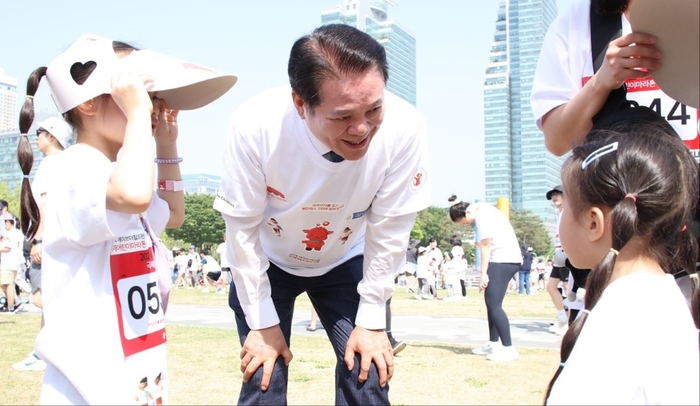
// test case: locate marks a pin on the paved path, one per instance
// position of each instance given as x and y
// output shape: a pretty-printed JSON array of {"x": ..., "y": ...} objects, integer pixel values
[{"x": 531, "y": 333}]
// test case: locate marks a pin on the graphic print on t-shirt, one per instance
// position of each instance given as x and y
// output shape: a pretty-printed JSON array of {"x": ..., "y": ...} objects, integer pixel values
[
  {"x": 345, "y": 235},
  {"x": 275, "y": 194},
  {"x": 275, "y": 227},
  {"x": 418, "y": 180},
  {"x": 136, "y": 292},
  {"x": 316, "y": 237}
]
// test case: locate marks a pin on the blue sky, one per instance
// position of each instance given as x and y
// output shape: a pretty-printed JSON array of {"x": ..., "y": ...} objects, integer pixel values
[{"x": 251, "y": 39}]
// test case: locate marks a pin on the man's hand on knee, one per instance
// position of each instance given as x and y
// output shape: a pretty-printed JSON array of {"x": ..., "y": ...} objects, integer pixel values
[
  {"x": 262, "y": 348},
  {"x": 373, "y": 347}
]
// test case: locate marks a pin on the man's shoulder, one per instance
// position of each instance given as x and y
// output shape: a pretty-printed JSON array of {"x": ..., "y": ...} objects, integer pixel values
[{"x": 401, "y": 112}]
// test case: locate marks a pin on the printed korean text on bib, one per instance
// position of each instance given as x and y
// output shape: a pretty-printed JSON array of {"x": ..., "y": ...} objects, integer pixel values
[
  {"x": 684, "y": 119},
  {"x": 136, "y": 292}
]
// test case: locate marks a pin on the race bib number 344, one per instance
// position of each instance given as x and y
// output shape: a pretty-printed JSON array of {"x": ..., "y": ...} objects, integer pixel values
[
  {"x": 137, "y": 294},
  {"x": 684, "y": 119}
]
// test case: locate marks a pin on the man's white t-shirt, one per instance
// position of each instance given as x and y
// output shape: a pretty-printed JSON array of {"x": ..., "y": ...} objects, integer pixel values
[
  {"x": 307, "y": 215},
  {"x": 104, "y": 326},
  {"x": 494, "y": 225},
  {"x": 223, "y": 258},
  {"x": 565, "y": 64},
  {"x": 648, "y": 355},
  {"x": 181, "y": 261},
  {"x": 196, "y": 261}
]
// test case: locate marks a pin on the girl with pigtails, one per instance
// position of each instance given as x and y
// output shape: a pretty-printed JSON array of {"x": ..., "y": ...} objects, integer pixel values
[
  {"x": 630, "y": 193},
  {"x": 106, "y": 274}
]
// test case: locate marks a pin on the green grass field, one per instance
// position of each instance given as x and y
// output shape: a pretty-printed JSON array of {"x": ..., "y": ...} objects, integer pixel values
[{"x": 204, "y": 364}]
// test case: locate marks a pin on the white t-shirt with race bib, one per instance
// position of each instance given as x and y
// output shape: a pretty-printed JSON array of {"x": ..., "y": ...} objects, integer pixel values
[
  {"x": 565, "y": 65},
  {"x": 103, "y": 310}
]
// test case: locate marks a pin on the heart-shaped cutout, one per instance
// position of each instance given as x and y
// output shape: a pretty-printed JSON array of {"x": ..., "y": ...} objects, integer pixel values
[{"x": 80, "y": 72}]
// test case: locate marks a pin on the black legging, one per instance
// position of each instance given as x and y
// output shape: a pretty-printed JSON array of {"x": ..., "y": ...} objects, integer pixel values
[
  {"x": 499, "y": 276},
  {"x": 463, "y": 283}
]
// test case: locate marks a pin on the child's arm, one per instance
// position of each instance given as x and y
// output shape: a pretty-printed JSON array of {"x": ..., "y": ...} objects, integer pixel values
[
  {"x": 130, "y": 187},
  {"x": 166, "y": 148}
]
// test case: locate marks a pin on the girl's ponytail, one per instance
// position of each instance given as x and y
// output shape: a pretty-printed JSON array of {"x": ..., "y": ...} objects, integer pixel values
[{"x": 29, "y": 211}]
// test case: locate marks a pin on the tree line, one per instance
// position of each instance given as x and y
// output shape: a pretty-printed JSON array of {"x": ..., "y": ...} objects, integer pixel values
[{"x": 204, "y": 227}]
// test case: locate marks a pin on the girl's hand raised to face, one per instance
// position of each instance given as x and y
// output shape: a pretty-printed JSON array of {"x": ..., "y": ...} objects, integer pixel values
[
  {"x": 167, "y": 129},
  {"x": 129, "y": 91}
]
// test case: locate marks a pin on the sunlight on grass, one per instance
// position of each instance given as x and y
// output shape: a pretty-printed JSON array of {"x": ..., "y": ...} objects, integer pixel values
[{"x": 204, "y": 369}]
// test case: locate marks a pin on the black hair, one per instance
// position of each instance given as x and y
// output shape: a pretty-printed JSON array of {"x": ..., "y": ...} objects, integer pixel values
[
  {"x": 457, "y": 210},
  {"x": 611, "y": 6},
  {"x": 455, "y": 241},
  {"x": 651, "y": 164},
  {"x": 29, "y": 211},
  {"x": 3, "y": 204},
  {"x": 432, "y": 239},
  {"x": 331, "y": 52}
]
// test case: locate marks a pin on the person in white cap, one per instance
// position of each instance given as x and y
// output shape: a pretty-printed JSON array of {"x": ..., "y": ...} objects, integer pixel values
[
  {"x": 341, "y": 165},
  {"x": 106, "y": 275},
  {"x": 53, "y": 136}
]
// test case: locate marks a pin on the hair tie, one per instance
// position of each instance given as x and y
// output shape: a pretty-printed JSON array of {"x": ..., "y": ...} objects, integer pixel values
[
  {"x": 456, "y": 202},
  {"x": 693, "y": 275},
  {"x": 586, "y": 311},
  {"x": 683, "y": 228},
  {"x": 614, "y": 251},
  {"x": 562, "y": 364},
  {"x": 26, "y": 176},
  {"x": 29, "y": 96},
  {"x": 24, "y": 135},
  {"x": 631, "y": 196}
]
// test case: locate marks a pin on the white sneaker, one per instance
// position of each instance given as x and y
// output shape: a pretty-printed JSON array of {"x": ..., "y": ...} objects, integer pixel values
[
  {"x": 488, "y": 348},
  {"x": 504, "y": 354},
  {"x": 31, "y": 363},
  {"x": 558, "y": 326},
  {"x": 562, "y": 330}
]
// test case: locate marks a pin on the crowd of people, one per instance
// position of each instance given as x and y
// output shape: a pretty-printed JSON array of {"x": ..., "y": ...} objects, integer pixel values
[
  {"x": 428, "y": 269},
  {"x": 335, "y": 222},
  {"x": 192, "y": 269}
]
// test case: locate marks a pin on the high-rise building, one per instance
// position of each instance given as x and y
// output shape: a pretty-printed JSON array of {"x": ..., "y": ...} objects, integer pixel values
[
  {"x": 8, "y": 102},
  {"x": 10, "y": 171},
  {"x": 518, "y": 166},
  {"x": 200, "y": 183},
  {"x": 372, "y": 17}
]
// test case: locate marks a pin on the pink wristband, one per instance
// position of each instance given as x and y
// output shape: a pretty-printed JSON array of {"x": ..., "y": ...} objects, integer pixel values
[{"x": 171, "y": 185}]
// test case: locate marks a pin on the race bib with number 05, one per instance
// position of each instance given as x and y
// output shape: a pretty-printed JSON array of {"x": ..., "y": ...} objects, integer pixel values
[{"x": 136, "y": 292}]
